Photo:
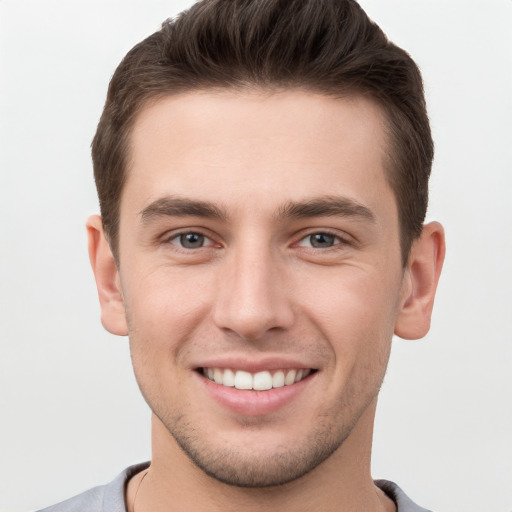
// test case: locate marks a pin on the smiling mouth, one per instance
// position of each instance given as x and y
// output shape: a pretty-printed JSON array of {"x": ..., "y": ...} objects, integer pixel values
[{"x": 259, "y": 381}]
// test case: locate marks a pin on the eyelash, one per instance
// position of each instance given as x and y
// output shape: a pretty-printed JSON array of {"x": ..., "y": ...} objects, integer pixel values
[
  {"x": 336, "y": 240},
  {"x": 178, "y": 236}
]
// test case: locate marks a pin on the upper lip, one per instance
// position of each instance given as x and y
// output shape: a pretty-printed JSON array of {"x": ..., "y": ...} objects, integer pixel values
[{"x": 254, "y": 365}]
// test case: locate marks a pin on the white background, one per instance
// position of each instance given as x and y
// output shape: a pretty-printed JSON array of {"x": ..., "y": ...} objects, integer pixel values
[{"x": 71, "y": 414}]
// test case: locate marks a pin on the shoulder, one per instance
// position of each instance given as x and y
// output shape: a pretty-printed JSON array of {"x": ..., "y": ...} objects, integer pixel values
[
  {"x": 89, "y": 501},
  {"x": 402, "y": 501},
  {"x": 104, "y": 498}
]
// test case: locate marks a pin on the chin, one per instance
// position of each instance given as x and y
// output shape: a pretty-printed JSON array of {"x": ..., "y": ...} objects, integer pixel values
[{"x": 255, "y": 461}]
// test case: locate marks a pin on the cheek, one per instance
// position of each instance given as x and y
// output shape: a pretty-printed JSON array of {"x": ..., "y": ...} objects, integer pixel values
[
  {"x": 164, "y": 312},
  {"x": 355, "y": 311},
  {"x": 164, "y": 308},
  {"x": 352, "y": 296}
]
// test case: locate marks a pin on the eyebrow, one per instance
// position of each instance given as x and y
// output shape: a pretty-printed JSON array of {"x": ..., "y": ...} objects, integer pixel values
[
  {"x": 172, "y": 206},
  {"x": 329, "y": 206}
]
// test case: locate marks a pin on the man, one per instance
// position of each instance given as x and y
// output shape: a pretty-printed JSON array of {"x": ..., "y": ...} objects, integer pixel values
[{"x": 262, "y": 169}]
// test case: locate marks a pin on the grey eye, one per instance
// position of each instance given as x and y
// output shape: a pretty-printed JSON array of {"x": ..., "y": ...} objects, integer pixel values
[
  {"x": 322, "y": 240},
  {"x": 192, "y": 240}
]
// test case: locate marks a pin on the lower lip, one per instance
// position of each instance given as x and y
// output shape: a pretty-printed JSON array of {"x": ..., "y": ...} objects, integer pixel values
[{"x": 255, "y": 403}]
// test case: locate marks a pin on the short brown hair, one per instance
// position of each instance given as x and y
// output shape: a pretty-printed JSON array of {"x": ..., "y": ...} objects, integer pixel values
[{"x": 326, "y": 46}]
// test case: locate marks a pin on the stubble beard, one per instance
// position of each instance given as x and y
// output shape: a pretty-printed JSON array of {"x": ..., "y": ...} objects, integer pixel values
[{"x": 256, "y": 468}]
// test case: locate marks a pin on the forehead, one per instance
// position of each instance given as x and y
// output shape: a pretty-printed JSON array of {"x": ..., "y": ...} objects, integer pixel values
[{"x": 257, "y": 148}]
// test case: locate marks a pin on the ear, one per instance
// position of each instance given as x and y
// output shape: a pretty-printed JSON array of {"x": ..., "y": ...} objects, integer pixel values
[
  {"x": 107, "y": 278},
  {"x": 420, "y": 283}
]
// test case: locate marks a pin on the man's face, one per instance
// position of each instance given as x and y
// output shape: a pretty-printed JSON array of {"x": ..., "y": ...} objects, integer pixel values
[{"x": 259, "y": 245}]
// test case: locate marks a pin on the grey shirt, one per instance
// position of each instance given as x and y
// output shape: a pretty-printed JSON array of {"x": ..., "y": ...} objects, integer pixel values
[{"x": 110, "y": 497}]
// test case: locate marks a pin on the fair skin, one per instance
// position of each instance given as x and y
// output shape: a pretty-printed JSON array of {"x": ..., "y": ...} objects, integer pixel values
[{"x": 258, "y": 235}]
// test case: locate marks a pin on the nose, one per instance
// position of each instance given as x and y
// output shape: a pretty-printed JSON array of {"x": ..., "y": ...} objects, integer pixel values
[{"x": 252, "y": 297}]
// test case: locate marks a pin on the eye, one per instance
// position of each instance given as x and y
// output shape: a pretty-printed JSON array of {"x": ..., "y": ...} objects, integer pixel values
[
  {"x": 191, "y": 240},
  {"x": 320, "y": 241}
]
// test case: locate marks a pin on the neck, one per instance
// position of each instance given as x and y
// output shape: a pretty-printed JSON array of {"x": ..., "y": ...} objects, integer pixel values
[{"x": 342, "y": 483}]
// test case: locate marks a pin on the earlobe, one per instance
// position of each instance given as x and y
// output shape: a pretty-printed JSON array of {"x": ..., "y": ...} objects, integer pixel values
[
  {"x": 105, "y": 270},
  {"x": 420, "y": 283}
]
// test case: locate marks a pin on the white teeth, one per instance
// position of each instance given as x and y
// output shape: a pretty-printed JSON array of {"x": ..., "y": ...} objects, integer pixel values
[
  {"x": 260, "y": 381},
  {"x": 243, "y": 380},
  {"x": 290, "y": 377},
  {"x": 278, "y": 379},
  {"x": 218, "y": 376},
  {"x": 229, "y": 378}
]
